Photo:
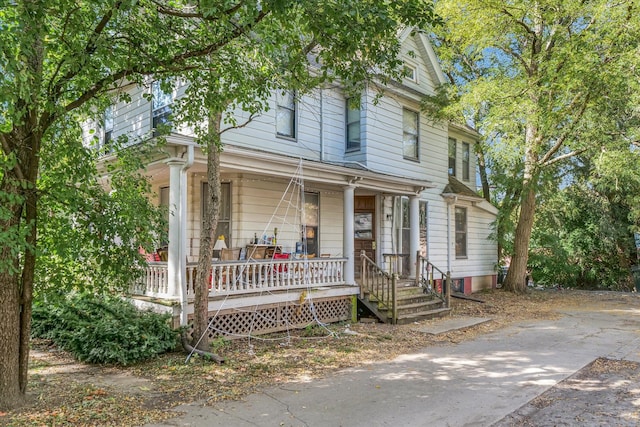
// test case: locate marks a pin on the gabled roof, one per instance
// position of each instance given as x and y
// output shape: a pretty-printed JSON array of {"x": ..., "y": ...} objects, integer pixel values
[
  {"x": 426, "y": 51},
  {"x": 459, "y": 189},
  {"x": 456, "y": 190}
]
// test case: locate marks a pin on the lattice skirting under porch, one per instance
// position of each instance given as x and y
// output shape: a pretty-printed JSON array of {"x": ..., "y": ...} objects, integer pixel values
[{"x": 258, "y": 320}]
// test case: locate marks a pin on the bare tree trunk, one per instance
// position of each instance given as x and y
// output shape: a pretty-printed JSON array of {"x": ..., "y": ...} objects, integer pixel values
[
  {"x": 17, "y": 262},
  {"x": 482, "y": 168},
  {"x": 11, "y": 390},
  {"x": 11, "y": 393},
  {"x": 516, "y": 276},
  {"x": 211, "y": 215}
]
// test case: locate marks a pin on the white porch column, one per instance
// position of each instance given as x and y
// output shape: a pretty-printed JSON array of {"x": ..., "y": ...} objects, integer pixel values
[
  {"x": 348, "y": 246},
  {"x": 414, "y": 233},
  {"x": 175, "y": 234}
]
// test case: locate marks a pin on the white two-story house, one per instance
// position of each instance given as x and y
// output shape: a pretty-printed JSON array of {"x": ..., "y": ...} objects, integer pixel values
[{"x": 318, "y": 181}]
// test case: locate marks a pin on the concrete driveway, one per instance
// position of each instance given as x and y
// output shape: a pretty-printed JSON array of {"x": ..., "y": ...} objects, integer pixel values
[{"x": 473, "y": 383}]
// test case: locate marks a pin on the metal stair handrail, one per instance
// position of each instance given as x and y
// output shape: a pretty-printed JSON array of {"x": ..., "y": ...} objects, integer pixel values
[
  {"x": 380, "y": 285},
  {"x": 427, "y": 277}
]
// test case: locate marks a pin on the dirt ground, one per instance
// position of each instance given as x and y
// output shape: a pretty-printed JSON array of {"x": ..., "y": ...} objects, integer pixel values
[
  {"x": 604, "y": 393},
  {"x": 64, "y": 393}
]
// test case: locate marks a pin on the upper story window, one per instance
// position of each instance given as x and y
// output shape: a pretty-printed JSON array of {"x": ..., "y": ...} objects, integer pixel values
[
  {"x": 286, "y": 114},
  {"x": 160, "y": 107},
  {"x": 353, "y": 126},
  {"x": 466, "y": 153},
  {"x": 453, "y": 146},
  {"x": 107, "y": 127},
  {"x": 410, "y": 137},
  {"x": 461, "y": 232},
  {"x": 410, "y": 72}
]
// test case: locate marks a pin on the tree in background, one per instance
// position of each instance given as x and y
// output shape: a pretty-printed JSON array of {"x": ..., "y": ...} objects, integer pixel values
[
  {"x": 547, "y": 81},
  {"x": 63, "y": 61},
  {"x": 582, "y": 236}
]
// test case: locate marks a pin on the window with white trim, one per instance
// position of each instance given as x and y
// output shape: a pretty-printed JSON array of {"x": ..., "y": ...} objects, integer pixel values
[
  {"x": 160, "y": 107},
  {"x": 107, "y": 128},
  {"x": 410, "y": 72},
  {"x": 352, "y": 126},
  {"x": 224, "y": 214},
  {"x": 286, "y": 114},
  {"x": 461, "y": 232},
  {"x": 410, "y": 134},
  {"x": 311, "y": 225},
  {"x": 453, "y": 146},
  {"x": 466, "y": 155}
]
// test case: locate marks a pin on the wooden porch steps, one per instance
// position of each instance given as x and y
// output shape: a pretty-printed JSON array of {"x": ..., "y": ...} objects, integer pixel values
[{"x": 413, "y": 305}]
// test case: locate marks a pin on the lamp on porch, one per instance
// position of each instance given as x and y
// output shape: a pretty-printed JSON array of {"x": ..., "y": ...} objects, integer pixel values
[{"x": 220, "y": 245}]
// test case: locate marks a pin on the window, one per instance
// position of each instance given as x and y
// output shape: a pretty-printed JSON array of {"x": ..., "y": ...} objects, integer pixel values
[
  {"x": 461, "y": 232},
  {"x": 161, "y": 108},
  {"x": 452, "y": 156},
  {"x": 465, "y": 160},
  {"x": 224, "y": 216},
  {"x": 409, "y": 134},
  {"x": 423, "y": 227},
  {"x": 108, "y": 125},
  {"x": 310, "y": 227},
  {"x": 410, "y": 72},
  {"x": 353, "y": 126},
  {"x": 286, "y": 114}
]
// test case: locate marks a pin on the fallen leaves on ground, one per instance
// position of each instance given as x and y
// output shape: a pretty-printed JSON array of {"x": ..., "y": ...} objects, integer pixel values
[{"x": 66, "y": 393}]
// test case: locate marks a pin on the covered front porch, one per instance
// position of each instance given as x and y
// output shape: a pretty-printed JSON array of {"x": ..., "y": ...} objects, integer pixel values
[
  {"x": 256, "y": 296},
  {"x": 255, "y": 182}
]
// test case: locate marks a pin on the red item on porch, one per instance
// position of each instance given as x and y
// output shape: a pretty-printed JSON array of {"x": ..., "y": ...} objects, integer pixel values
[{"x": 281, "y": 267}]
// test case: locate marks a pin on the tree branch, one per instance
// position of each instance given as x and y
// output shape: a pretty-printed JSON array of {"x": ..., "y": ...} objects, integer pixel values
[
  {"x": 90, "y": 47},
  {"x": 565, "y": 135},
  {"x": 563, "y": 157},
  {"x": 169, "y": 11},
  {"x": 246, "y": 123},
  {"x": 175, "y": 63},
  {"x": 519, "y": 22}
]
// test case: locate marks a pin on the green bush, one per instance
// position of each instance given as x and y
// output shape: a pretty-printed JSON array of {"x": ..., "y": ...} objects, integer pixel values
[{"x": 102, "y": 329}]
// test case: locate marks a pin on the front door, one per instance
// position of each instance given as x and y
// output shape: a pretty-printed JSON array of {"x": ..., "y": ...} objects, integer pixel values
[{"x": 364, "y": 229}]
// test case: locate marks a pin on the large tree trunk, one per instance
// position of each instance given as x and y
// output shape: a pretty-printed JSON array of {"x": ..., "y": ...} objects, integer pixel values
[
  {"x": 17, "y": 269},
  {"x": 211, "y": 214},
  {"x": 517, "y": 274},
  {"x": 11, "y": 393}
]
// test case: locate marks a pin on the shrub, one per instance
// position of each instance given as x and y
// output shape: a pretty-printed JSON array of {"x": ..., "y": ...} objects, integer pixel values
[{"x": 102, "y": 329}]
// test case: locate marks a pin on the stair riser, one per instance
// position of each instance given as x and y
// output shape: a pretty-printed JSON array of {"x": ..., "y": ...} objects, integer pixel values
[
  {"x": 402, "y": 311},
  {"x": 426, "y": 316},
  {"x": 416, "y": 299}
]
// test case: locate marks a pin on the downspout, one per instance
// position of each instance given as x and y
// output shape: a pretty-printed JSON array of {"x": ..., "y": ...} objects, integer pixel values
[
  {"x": 321, "y": 127},
  {"x": 183, "y": 235},
  {"x": 448, "y": 237}
]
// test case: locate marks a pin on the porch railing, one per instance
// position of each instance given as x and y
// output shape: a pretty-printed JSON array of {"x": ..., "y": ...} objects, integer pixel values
[
  {"x": 396, "y": 264},
  {"x": 243, "y": 277},
  {"x": 379, "y": 285},
  {"x": 154, "y": 282},
  {"x": 433, "y": 280}
]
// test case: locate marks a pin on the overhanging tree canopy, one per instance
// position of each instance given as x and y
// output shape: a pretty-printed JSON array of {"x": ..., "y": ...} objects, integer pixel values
[
  {"x": 62, "y": 60},
  {"x": 544, "y": 81}
]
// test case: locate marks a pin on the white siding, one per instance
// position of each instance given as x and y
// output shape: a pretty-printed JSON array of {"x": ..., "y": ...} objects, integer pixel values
[{"x": 260, "y": 205}]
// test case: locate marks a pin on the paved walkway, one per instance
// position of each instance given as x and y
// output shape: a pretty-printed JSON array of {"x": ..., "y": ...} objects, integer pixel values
[{"x": 473, "y": 383}]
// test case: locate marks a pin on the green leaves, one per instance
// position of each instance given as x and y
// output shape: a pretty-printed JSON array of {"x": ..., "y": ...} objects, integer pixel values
[{"x": 102, "y": 329}]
